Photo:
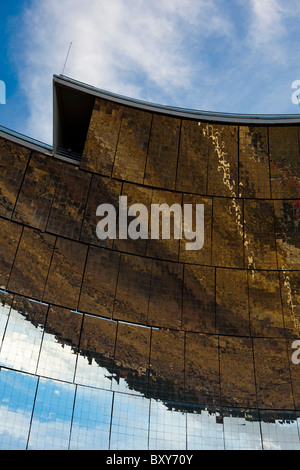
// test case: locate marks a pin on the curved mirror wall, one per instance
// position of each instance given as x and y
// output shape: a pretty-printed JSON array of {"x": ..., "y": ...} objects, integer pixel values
[{"x": 125, "y": 344}]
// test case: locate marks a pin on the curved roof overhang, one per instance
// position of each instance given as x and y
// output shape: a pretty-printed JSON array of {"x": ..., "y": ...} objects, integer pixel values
[
  {"x": 73, "y": 104},
  {"x": 250, "y": 119}
]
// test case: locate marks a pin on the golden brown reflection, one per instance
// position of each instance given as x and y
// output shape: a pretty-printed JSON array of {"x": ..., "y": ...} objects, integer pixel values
[{"x": 186, "y": 333}]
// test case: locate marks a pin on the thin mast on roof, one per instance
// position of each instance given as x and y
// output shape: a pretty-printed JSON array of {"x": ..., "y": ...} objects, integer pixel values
[{"x": 67, "y": 58}]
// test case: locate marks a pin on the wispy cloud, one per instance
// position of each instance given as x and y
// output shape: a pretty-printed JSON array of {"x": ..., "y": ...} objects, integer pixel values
[
  {"x": 267, "y": 21},
  {"x": 121, "y": 46},
  {"x": 207, "y": 54},
  {"x": 271, "y": 28}
]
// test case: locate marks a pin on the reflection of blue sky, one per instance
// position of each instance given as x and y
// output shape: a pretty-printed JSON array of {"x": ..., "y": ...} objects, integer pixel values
[
  {"x": 17, "y": 392},
  {"x": 91, "y": 420},
  {"x": 52, "y": 415},
  {"x": 90, "y": 412}
]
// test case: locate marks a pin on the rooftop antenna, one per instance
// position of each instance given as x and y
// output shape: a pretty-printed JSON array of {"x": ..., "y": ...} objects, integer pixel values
[{"x": 67, "y": 58}]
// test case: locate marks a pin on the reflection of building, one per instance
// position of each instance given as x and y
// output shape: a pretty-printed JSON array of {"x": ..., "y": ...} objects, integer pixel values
[{"x": 140, "y": 344}]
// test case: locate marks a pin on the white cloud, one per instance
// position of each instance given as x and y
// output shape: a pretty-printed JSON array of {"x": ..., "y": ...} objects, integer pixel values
[
  {"x": 117, "y": 46},
  {"x": 267, "y": 21},
  {"x": 271, "y": 23},
  {"x": 205, "y": 54}
]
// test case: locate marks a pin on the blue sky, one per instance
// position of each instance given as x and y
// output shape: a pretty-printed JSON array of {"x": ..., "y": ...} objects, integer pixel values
[
  {"x": 239, "y": 56},
  {"x": 15, "y": 110}
]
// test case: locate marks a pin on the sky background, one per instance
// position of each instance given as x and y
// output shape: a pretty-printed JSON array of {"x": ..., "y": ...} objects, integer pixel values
[{"x": 236, "y": 56}]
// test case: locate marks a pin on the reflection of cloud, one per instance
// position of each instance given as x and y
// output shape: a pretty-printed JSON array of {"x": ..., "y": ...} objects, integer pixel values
[
  {"x": 167, "y": 428},
  {"x": 56, "y": 414},
  {"x": 204, "y": 431},
  {"x": 52, "y": 415},
  {"x": 130, "y": 422},
  {"x": 13, "y": 436},
  {"x": 241, "y": 434},
  {"x": 17, "y": 392},
  {"x": 280, "y": 435},
  {"x": 22, "y": 343},
  {"x": 21, "y": 350}
]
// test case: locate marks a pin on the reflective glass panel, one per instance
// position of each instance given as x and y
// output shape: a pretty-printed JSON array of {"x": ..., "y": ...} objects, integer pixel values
[
  {"x": 125, "y": 385},
  {"x": 57, "y": 360},
  {"x": 130, "y": 422},
  {"x": 60, "y": 344},
  {"x": 21, "y": 344},
  {"x": 242, "y": 432},
  {"x": 4, "y": 312},
  {"x": 90, "y": 372},
  {"x": 280, "y": 434},
  {"x": 205, "y": 431},
  {"x": 52, "y": 416},
  {"x": 97, "y": 346},
  {"x": 167, "y": 427},
  {"x": 17, "y": 392},
  {"x": 91, "y": 420}
]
